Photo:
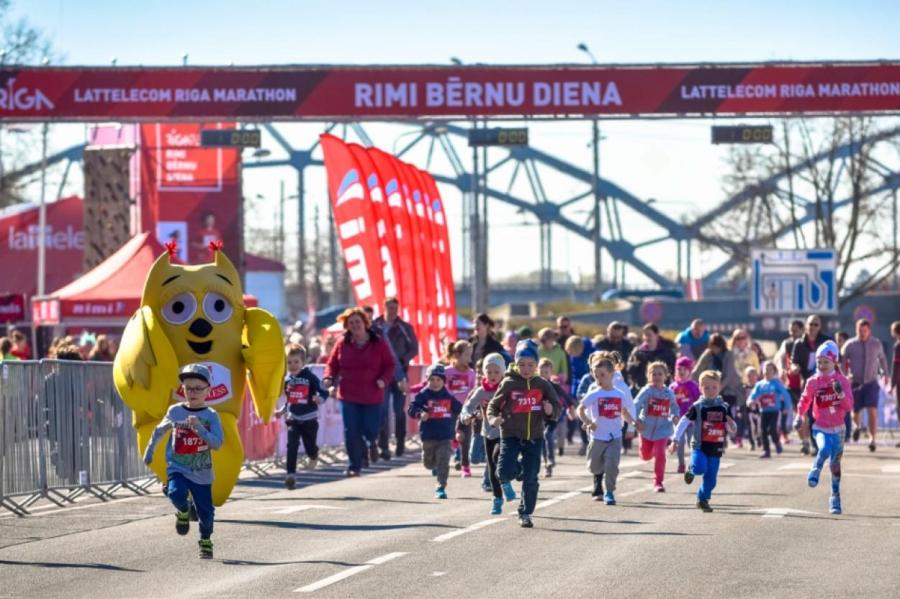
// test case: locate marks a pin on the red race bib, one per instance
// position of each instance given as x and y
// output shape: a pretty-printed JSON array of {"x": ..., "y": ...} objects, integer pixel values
[
  {"x": 188, "y": 442},
  {"x": 658, "y": 407},
  {"x": 827, "y": 399},
  {"x": 609, "y": 407},
  {"x": 458, "y": 384},
  {"x": 526, "y": 401},
  {"x": 767, "y": 400},
  {"x": 439, "y": 408},
  {"x": 297, "y": 393},
  {"x": 713, "y": 428}
]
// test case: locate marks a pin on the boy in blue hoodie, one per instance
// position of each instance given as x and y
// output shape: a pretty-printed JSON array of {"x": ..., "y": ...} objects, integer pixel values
[
  {"x": 437, "y": 409},
  {"x": 773, "y": 400},
  {"x": 197, "y": 431}
]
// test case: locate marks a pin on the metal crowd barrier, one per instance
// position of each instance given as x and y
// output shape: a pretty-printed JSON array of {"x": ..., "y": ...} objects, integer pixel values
[{"x": 64, "y": 432}]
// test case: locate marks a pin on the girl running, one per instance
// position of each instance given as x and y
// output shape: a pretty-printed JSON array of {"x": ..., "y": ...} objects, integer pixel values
[
  {"x": 460, "y": 381},
  {"x": 656, "y": 409},
  {"x": 686, "y": 393}
]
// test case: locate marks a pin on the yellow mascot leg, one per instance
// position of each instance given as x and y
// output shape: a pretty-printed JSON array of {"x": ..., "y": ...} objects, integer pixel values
[{"x": 227, "y": 460}]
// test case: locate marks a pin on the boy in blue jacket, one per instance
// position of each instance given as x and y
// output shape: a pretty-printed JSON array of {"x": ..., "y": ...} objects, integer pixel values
[
  {"x": 197, "y": 431},
  {"x": 437, "y": 410},
  {"x": 773, "y": 400}
]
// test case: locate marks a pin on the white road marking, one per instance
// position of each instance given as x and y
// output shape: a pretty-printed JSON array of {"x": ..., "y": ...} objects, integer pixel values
[
  {"x": 780, "y": 512},
  {"x": 302, "y": 508},
  {"x": 724, "y": 465},
  {"x": 891, "y": 468},
  {"x": 796, "y": 466},
  {"x": 468, "y": 529},
  {"x": 310, "y": 588},
  {"x": 436, "y": 574},
  {"x": 634, "y": 492},
  {"x": 563, "y": 497}
]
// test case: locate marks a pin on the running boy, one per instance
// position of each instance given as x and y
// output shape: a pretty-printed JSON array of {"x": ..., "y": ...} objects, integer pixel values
[
  {"x": 602, "y": 411},
  {"x": 686, "y": 393},
  {"x": 772, "y": 399},
  {"x": 302, "y": 395},
  {"x": 545, "y": 368},
  {"x": 710, "y": 416},
  {"x": 438, "y": 410},
  {"x": 831, "y": 397},
  {"x": 520, "y": 408},
  {"x": 657, "y": 410},
  {"x": 493, "y": 366},
  {"x": 197, "y": 431}
]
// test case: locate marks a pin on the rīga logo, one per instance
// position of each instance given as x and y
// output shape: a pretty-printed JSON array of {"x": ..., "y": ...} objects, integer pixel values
[{"x": 23, "y": 98}]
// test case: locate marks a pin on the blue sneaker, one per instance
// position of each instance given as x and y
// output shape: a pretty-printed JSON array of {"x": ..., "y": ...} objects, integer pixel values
[
  {"x": 609, "y": 498},
  {"x": 813, "y": 477},
  {"x": 497, "y": 507},
  {"x": 834, "y": 504},
  {"x": 508, "y": 491},
  {"x": 440, "y": 493}
]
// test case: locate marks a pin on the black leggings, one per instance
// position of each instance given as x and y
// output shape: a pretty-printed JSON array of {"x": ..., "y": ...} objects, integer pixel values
[
  {"x": 306, "y": 430},
  {"x": 492, "y": 451}
]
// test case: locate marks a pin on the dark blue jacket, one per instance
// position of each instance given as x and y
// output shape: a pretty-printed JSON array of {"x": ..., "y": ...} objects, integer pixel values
[{"x": 443, "y": 410}]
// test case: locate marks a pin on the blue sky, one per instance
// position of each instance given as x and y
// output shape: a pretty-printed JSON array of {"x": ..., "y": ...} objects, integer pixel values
[{"x": 669, "y": 160}]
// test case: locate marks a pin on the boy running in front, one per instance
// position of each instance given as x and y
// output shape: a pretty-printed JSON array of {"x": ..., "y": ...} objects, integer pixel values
[
  {"x": 197, "y": 431},
  {"x": 710, "y": 416}
]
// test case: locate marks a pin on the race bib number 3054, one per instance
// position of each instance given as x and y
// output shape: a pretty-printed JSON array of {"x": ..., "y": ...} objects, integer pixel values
[{"x": 609, "y": 407}]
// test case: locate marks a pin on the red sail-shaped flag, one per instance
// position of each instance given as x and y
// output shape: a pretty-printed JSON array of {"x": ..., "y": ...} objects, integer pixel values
[
  {"x": 354, "y": 221},
  {"x": 440, "y": 307},
  {"x": 409, "y": 264},
  {"x": 387, "y": 244},
  {"x": 425, "y": 248},
  {"x": 441, "y": 234}
]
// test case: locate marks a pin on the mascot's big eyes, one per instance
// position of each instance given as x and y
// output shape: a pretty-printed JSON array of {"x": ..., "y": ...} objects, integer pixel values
[
  {"x": 180, "y": 308},
  {"x": 217, "y": 308}
]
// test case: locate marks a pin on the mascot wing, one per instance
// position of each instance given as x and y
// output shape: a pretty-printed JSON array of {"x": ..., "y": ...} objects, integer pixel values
[
  {"x": 145, "y": 368},
  {"x": 264, "y": 355}
]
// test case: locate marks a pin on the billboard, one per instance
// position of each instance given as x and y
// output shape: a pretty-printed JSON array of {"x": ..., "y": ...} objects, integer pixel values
[
  {"x": 396, "y": 92},
  {"x": 793, "y": 281},
  {"x": 189, "y": 194}
]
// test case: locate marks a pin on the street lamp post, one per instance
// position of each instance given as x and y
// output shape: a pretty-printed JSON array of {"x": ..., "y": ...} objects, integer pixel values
[{"x": 595, "y": 185}]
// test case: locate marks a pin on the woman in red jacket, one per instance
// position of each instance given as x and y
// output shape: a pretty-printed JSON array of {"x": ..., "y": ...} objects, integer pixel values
[{"x": 362, "y": 366}]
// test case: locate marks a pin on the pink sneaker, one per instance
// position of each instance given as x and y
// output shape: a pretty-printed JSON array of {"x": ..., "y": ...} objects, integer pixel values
[
  {"x": 466, "y": 472},
  {"x": 659, "y": 488}
]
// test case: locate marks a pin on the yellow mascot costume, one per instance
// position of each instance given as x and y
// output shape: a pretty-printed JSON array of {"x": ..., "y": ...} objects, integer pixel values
[{"x": 194, "y": 314}]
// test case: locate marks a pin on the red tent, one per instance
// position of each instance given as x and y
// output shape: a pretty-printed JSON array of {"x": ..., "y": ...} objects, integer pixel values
[{"x": 107, "y": 295}]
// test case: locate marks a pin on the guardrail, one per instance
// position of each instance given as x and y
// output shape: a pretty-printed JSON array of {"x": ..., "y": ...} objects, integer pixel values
[{"x": 65, "y": 432}]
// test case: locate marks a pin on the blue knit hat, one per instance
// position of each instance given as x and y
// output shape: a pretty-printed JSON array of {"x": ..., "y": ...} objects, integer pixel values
[
  {"x": 436, "y": 370},
  {"x": 527, "y": 349}
]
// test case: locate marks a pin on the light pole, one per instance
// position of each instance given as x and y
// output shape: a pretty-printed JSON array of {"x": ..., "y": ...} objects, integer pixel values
[{"x": 595, "y": 185}]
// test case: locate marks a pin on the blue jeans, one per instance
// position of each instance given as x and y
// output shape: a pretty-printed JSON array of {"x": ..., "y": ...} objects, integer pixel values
[
  {"x": 394, "y": 399},
  {"x": 550, "y": 443},
  {"x": 360, "y": 430},
  {"x": 179, "y": 487},
  {"x": 831, "y": 446},
  {"x": 510, "y": 450},
  {"x": 476, "y": 452},
  {"x": 707, "y": 467}
]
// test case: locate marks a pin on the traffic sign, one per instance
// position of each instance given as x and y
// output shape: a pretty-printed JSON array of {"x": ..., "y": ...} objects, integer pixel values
[{"x": 793, "y": 281}]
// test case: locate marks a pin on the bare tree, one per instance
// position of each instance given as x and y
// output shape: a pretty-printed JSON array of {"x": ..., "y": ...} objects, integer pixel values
[
  {"x": 823, "y": 183},
  {"x": 20, "y": 44}
]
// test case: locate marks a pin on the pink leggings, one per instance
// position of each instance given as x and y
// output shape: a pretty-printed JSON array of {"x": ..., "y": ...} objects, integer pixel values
[{"x": 657, "y": 451}]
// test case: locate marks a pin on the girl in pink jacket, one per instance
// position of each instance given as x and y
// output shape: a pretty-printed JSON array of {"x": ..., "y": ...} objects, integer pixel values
[{"x": 829, "y": 393}]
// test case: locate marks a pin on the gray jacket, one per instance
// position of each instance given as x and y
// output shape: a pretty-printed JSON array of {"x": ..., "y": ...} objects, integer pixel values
[{"x": 477, "y": 402}]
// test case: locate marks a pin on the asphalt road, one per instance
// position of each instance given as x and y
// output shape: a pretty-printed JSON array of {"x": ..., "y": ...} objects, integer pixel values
[{"x": 384, "y": 535}]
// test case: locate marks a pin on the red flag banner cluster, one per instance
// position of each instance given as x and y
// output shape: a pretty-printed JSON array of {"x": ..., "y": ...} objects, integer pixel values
[{"x": 392, "y": 229}]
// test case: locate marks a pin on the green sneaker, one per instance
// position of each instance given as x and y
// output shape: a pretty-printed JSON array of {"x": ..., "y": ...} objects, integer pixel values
[
  {"x": 182, "y": 522},
  {"x": 206, "y": 549}
]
